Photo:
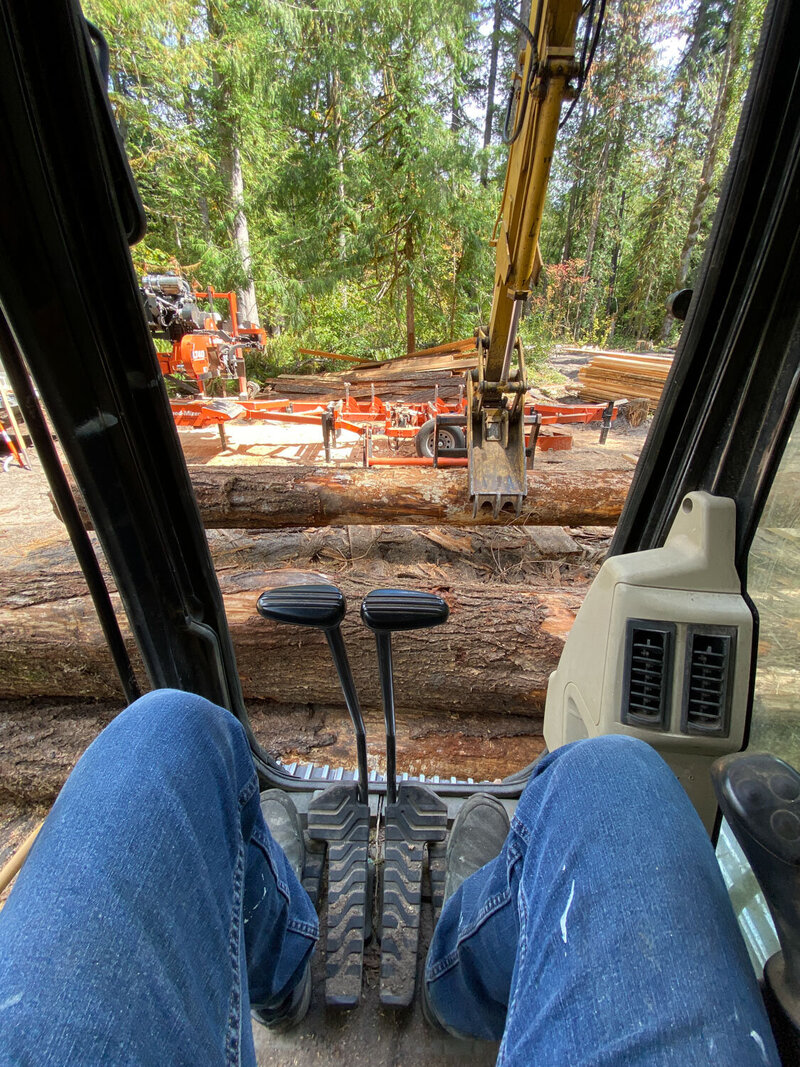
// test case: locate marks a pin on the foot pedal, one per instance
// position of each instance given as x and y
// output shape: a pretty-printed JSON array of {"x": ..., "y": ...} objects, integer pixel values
[
  {"x": 337, "y": 818},
  {"x": 418, "y": 816}
]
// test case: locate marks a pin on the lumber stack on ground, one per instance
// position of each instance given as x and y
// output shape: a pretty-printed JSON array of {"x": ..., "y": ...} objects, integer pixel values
[
  {"x": 411, "y": 379},
  {"x": 614, "y": 376}
]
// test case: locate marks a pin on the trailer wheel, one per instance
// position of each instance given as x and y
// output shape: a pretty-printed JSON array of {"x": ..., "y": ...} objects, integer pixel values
[{"x": 450, "y": 437}]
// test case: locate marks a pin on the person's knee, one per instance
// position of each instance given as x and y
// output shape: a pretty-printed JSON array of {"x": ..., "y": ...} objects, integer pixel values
[
  {"x": 182, "y": 725},
  {"x": 170, "y": 710},
  {"x": 614, "y": 754},
  {"x": 615, "y": 767}
]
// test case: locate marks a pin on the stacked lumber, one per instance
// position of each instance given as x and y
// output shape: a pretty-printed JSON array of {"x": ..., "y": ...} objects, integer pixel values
[
  {"x": 623, "y": 375},
  {"x": 410, "y": 379}
]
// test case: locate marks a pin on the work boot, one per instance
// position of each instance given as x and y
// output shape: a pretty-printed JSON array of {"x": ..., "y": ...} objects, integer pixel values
[
  {"x": 478, "y": 834},
  {"x": 283, "y": 821}
]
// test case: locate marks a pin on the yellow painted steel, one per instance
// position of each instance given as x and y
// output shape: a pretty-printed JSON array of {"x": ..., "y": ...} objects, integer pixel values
[
  {"x": 495, "y": 393},
  {"x": 528, "y": 171}
]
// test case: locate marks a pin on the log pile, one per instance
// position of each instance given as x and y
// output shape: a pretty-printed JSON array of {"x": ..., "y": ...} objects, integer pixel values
[
  {"x": 410, "y": 379},
  {"x": 623, "y": 375}
]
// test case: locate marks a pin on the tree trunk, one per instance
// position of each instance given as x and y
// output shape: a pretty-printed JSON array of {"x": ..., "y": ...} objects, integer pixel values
[
  {"x": 202, "y": 204},
  {"x": 488, "y": 122},
  {"x": 339, "y": 151},
  {"x": 248, "y": 306},
  {"x": 231, "y": 167},
  {"x": 721, "y": 106},
  {"x": 576, "y": 187},
  {"x": 602, "y": 174},
  {"x": 664, "y": 201},
  {"x": 408, "y": 252},
  {"x": 277, "y": 497},
  {"x": 611, "y": 304}
]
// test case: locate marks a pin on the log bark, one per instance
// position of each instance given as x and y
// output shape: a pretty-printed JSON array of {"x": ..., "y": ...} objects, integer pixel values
[
  {"x": 40, "y": 742},
  {"x": 494, "y": 655},
  {"x": 278, "y": 497}
]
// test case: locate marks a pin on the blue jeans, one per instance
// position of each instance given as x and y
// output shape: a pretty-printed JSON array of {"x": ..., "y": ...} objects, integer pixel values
[
  {"x": 602, "y": 933},
  {"x": 155, "y": 908}
]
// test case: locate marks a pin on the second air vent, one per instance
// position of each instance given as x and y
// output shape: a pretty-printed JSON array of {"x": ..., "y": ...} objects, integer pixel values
[
  {"x": 647, "y": 681},
  {"x": 707, "y": 680}
]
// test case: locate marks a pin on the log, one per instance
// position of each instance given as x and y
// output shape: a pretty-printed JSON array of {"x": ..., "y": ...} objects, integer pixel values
[
  {"x": 518, "y": 553},
  {"x": 279, "y": 497},
  {"x": 41, "y": 742},
  {"x": 494, "y": 655},
  {"x": 275, "y": 497},
  {"x": 543, "y": 555}
]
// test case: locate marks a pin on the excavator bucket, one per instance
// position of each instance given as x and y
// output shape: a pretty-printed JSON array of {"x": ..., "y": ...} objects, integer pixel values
[{"x": 496, "y": 446}]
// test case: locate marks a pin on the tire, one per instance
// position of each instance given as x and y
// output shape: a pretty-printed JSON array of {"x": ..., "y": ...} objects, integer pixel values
[
  {"x": 253, "y": 389},
  {"x": 450, "y": 437}
]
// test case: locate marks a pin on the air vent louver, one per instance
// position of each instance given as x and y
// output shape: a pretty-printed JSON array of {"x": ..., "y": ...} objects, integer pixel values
[
  {"x": 707, "y": 676},
  {"x": 648, "y": 673}
]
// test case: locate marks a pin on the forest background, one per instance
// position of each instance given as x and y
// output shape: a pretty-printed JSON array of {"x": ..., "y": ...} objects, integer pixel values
[{"x": 340, "y": 162}]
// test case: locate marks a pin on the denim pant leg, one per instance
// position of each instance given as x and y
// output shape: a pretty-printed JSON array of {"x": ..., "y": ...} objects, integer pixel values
[
  {"x": 602, "y": 933},
  {"x": 153, "y": 903}
]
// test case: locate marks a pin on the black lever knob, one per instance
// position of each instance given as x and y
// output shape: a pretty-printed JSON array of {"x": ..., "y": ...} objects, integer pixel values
[
  {"x": 402, "y": 609},
  {"x": 759, "y": 795},
  {"x": 385, "y": 610},
  {"x": 322, "y": 606}
]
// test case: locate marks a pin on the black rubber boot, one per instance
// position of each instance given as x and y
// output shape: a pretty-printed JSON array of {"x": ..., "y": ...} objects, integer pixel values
[
  {"x": 283, "y": 821},
  {"x": 280, "y": 815},
  {"x": 292, "y": 1010},
  {"x": 478, "y": 834}
]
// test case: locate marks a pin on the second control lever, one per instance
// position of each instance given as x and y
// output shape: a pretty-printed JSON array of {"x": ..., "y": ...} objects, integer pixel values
[
  {"x": 415, "y": 816},
  {"x": 383, "y": 611}
]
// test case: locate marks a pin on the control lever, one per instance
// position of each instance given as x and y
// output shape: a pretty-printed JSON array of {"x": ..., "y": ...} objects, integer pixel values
[
  {"x": 759, "y": 795},
  {"x": 415, "y": 816},
  {"x": 339, "y": 815},
  {"x": 383, "y": 611},
  {"x": 323, "y": 606}
]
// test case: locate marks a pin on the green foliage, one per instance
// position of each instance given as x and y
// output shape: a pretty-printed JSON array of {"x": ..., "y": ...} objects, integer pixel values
[{"x": 359, "y": 127}]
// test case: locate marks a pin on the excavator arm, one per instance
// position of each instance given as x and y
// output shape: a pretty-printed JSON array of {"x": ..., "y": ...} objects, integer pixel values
[{"x": 496, "y": 389}]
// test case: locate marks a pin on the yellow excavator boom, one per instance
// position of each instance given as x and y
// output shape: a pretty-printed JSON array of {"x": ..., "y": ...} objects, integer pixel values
[{"x": 496, "y": 390}]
